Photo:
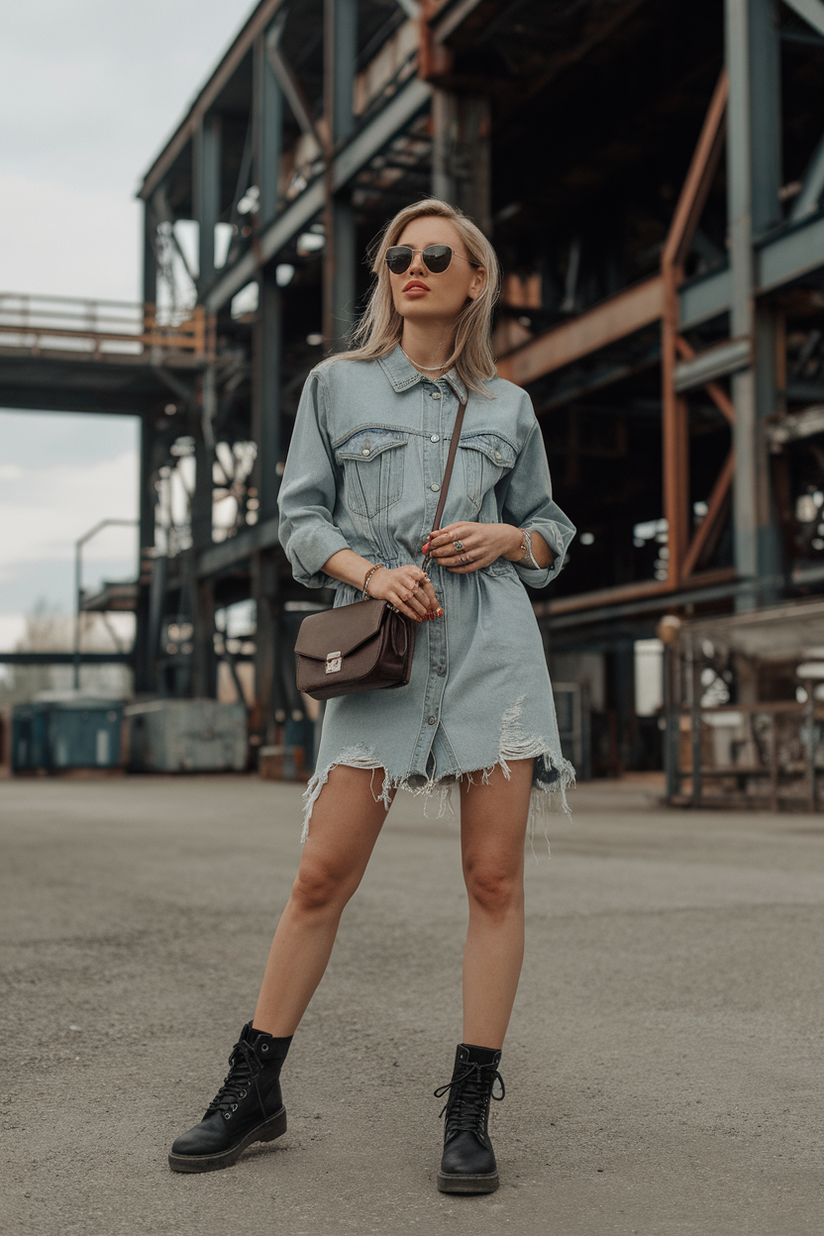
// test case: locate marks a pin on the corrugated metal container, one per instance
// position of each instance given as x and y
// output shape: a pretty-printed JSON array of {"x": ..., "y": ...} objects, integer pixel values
[
  {"x": 187, "y": 736},
  {"x": 58, "y": 734}
]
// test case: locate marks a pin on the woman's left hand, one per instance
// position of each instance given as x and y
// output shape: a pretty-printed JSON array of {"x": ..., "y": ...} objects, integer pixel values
[{"x": 466, "y": 547}]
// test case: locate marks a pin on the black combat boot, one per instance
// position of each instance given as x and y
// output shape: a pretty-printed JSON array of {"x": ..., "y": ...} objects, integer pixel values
[
  {"x": 468, "y": 1164},
  {"x": 247, "y": 1108}
]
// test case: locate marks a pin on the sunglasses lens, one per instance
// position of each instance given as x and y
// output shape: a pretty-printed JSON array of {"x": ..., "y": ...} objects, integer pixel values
[
  {"x": 437, "y": 258},
  {"x": 398, "y": 258}
]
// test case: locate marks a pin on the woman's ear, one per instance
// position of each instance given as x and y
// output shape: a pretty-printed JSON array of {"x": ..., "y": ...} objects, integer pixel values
[{"x": 478, "y": 283}]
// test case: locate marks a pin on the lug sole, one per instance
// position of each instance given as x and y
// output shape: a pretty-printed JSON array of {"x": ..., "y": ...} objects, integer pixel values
[
  {"x": 274, "y": 1127},
  {"x": 449, "y": 1182}
]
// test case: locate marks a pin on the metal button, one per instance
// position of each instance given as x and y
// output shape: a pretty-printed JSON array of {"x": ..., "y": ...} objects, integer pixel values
[
  {"x": 497, "y": 454},
  {"x": 434, "y": 488},
  {"x": 432, "y": 720},
  {"x": 442, "y": 670},
  {"x": 435, "y": 437},
  {"x": 436, "y": 394},
  {"x": 366, "y": 451}
]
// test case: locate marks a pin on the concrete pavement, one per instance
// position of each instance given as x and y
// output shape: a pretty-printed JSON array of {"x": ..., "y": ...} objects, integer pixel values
[{"x": 663, "y": 1069}]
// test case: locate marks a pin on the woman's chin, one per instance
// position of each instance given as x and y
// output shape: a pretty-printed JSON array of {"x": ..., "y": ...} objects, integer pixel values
[{"x": 421, "y": 311}]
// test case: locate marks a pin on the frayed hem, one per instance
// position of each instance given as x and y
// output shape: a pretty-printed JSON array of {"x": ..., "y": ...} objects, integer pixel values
[
  {"x": 553, "y": 776},
  {"x": 354, "y": 757},
  {"x": 440, "y": 790}
]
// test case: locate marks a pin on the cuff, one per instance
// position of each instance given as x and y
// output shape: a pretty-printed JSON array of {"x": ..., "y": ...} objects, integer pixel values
[
  {"x": 309, "y": 552},
  {"x": 558, "y": 539}
]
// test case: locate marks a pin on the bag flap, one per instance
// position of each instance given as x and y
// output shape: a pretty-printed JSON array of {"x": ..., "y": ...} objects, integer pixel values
[{"x": 339, "y": 630}]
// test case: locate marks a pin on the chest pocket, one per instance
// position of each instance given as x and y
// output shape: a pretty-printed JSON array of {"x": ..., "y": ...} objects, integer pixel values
[
  {"x": 372, "y": 463},
  {"x": 486, "y": 457}
]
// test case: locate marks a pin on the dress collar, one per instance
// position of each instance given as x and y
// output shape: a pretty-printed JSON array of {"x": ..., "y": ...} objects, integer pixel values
[{"x": 402, "y": 374}]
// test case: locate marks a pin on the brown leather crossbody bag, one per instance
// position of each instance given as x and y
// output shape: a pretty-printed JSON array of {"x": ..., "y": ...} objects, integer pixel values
[{"x": 366, "y": 646}]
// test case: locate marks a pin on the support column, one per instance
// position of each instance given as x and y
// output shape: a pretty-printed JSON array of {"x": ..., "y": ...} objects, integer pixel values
[
  {"x": 206, "y": 194},
  {"x": 267, "y": 131},
  {"x": 267, "y": 347},
  {"x": 753, "y": 178},
  {"x": 268, "y": 651},
  {"x": 201, "y": 597},
  {"x": 339, "y": 270},
  {"x": 339, "y": 266},
  {"x": 266, "y": 429},
  {"x": 461, "y": 164},
  {"x": 149, "y": 254},
  {"x": 144, "y": 652}
]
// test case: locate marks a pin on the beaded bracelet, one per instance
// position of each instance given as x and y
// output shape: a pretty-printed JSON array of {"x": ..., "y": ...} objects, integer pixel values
[{"x": 369, "y": 574}]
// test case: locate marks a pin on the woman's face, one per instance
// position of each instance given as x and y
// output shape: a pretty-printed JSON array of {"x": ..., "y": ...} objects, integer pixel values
[{"x": 421, "y": 296}]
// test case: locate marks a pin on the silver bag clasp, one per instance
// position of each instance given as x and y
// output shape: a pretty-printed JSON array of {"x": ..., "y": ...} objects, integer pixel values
[{"x": 333, "y": 662}]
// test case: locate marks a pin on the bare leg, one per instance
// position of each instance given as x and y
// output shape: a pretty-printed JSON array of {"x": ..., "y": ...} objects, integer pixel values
[
  {"x": 345, "y": 825},
  {"x": 493, "y": 831}
]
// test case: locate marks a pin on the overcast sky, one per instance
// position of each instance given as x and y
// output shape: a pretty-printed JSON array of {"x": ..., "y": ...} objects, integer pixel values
[{"x": 89, "y": 92}]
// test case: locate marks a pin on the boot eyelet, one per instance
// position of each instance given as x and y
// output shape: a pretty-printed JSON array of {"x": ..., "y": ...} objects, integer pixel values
[{"x": 243, "y": 1093}]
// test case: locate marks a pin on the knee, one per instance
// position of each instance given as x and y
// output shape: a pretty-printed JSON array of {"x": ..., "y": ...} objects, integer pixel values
[
  {"x": 492, "y": 890},
  {"x": 319, "y": 887}
]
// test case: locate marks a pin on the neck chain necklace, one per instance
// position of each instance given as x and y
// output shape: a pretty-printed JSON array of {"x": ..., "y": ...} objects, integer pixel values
[{"x": 427, "y": 368}]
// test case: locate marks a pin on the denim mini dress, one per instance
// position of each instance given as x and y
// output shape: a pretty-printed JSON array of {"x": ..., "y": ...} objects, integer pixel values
[{"x": 363, "y": 472}]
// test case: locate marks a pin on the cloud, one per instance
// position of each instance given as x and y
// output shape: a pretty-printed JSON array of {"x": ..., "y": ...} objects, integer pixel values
[
  {"x": 89, "y": 93},
  {"x": 87, "y": 240},
  {"x": 43, "y": 511}
]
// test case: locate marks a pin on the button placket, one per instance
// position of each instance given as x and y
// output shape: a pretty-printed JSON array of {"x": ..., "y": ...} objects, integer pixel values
[
  {"x": 432, "y": 462},
  {"x": 435, "y": 686}
]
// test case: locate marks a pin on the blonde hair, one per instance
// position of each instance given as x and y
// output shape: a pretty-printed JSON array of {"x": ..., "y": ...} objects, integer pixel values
[{"x": 380, "y": 328}]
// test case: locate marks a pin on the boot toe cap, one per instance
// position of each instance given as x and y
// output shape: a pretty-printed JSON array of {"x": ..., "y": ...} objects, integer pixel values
[
  {"x": 204, "y": 1138},
  {"x": 465, "y": 1155}
]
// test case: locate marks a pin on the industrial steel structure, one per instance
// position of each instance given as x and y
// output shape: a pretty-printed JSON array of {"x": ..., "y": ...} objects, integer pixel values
[{"x": 651, "y": 176}]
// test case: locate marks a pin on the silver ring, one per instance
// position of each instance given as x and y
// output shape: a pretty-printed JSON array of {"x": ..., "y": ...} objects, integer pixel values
[
  {"x": 466, "y": 559},
  {"x": 459, "y": 546}
]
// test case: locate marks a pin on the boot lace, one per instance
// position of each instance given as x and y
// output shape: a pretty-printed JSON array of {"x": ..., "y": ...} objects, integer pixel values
[
  {"x": 243, "y": 1070},
  {"x": 469, "y": 1092}
]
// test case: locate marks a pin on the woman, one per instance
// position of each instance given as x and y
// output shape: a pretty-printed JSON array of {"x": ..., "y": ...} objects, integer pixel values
[{"x": 357, "y": 501}]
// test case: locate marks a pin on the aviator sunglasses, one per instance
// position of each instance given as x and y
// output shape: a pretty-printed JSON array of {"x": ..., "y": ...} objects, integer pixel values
[{"x": 436, "y": 258}]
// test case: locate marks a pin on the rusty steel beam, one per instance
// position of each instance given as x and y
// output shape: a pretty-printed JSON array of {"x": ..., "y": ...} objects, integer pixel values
[
  {"x": 715, "y": 507},
  {"x": 603, "y": 596},
  {"x": 608, "y": 322},
  {"x": 699, "y": 178},
  {"x": 640, "y": 592},
  {"x": 675, "y": 413},
  {"x": 719, "y": 396}
]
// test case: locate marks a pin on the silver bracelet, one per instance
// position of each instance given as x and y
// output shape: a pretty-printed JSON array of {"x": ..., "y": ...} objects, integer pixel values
[{"x": 528, "y": 560}]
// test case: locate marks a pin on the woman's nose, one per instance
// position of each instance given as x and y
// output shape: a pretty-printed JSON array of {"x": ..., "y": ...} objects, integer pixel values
[{"x": 416, "y": 266}]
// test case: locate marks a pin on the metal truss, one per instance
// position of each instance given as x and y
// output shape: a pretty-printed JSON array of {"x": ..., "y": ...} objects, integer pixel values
[{"x": 319, "y": 121}]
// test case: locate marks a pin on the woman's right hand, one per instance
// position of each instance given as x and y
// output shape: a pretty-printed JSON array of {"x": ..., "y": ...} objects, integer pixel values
[{"x": 409, "y": 589}]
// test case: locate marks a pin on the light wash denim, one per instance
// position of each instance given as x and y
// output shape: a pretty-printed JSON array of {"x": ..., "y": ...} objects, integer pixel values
[{"x": 363, "y": 472}]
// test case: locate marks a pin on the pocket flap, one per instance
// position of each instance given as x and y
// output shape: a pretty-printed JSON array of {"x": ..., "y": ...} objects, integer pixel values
[
  {"x": 340, "y": 630},
  {"x": 367, "y": 444},
  {"x": 489, "y": 444}
]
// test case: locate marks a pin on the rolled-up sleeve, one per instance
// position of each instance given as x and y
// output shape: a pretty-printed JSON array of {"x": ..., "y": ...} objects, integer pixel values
[
  {"x": 308, "y": 490},
  {"x": 525, "y": 499}
]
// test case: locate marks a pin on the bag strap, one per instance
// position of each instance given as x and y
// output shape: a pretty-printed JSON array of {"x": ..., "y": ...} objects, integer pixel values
[{"x": 450, "y": 462}]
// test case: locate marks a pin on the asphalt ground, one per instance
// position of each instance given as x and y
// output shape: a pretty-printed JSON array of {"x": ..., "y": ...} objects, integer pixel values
[{"x": 663, "y": 1068}]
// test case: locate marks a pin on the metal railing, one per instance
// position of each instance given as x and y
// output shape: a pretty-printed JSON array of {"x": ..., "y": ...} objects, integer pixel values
[{"x": 98, "y": 329}]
